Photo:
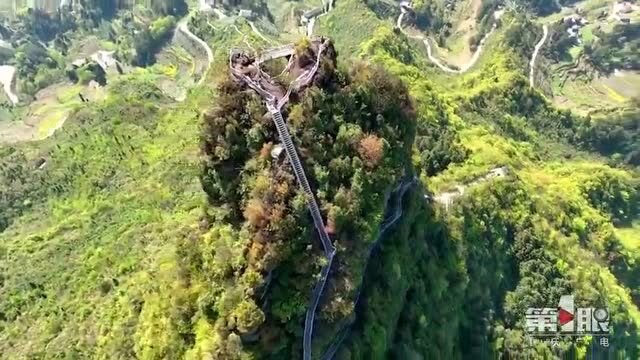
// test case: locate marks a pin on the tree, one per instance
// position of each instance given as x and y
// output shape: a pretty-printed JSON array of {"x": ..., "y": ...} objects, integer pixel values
[
  {"x": 255, "y": 213},
  {"x": 169, "y": 7},
  {"x": 371, "y": 149},
  {"x": 247, "y": 316},
  {"x": 149, "y": 41}
]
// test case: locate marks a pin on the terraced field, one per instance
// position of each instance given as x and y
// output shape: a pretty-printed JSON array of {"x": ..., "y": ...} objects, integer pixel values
[
  {"x": 614, "y": 91},
  {"x": 47, "y": 113},
  {"x": 591, "y": 91}
]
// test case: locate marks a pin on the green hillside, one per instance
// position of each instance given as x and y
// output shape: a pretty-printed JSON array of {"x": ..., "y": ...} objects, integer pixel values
[{"x": 156, "y": 226}]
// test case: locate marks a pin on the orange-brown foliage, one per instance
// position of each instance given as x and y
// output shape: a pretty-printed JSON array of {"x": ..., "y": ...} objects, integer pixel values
[
  {"x": 256, "y": 252},
  {"x": 255, "y": 213},
  {"x": 331, "y": 225},
  {"x": 265, "y": 152},
  {"x": 371, "y": 150}
]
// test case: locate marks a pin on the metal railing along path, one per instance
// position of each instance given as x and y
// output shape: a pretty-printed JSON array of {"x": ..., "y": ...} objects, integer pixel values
[
  {"x": 301, "y": 177},
  {"x": 391, "y": 220},
  {"x": 273, "y": 105},
  {"x": 329, "y": 249}
]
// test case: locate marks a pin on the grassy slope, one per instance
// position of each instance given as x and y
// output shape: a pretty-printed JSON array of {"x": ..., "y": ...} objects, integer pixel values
[
  {"x": 599, "y": 93},
  {"x": 92, "y": 271},
  {"x": 88, "y": 256},
  {"x": 629, "y": 237},
  {"x": 457, "y": 50},
  {"x": 348, "y": 35},
  {"x": 95, "y": 268},
  {"x": 559, "y": 192}
]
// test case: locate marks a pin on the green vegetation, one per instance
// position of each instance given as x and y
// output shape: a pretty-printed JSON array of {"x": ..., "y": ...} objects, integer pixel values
[
  {"x": 629, "y": 237},
  {"x": 367, "y": 123},
  {"x": 597, "y": 71},
  {"x": 155, "y": 229},
  {"x": 518, "y": 242},
  {"x": 43, "y": 40},
  {"x": 133, "y": 155},
  {"x": 138, "y": 42},
  {"x": 348, "y": 35},
  {"x": 603, "y": 50},
  {"x": 41, "y": 25},
  {"x": 37, "y": 67},
  {"x": 430, "y": 15},
  {"x": 607, "y": 54},
  {"x": 148, "y": 41}
]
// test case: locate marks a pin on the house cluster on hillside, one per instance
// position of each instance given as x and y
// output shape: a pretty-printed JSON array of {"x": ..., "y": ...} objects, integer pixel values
[
  {"x": 573, "y": 24},
  {"x": 623, "y": 10},
  {"x": 316, "y": 12},
  {"x": 310, "y": 14}
]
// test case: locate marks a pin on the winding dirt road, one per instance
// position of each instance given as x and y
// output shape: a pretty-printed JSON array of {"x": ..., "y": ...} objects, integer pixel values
[
  {"x": 436, "y": 61},
  {"x": 310, "y": 25},
  {"x": 184, "y": 28},
  {"x": 312, "y": 21},
  {"x": 255, "y": 30},
  {"x": 532, "y": 63},
  {"x": 477, "y": 53},
  {"x": 447, "y": 198},
  {"x": 7, "y": 76}
]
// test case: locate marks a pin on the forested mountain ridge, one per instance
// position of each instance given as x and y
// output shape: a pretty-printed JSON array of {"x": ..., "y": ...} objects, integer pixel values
[{"x": 167, "y": 229}]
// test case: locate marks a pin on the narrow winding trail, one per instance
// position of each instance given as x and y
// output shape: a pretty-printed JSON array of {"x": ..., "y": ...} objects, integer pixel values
[
  {"x": 400, "y": 17},
  {"x": 255, "y": 30},
  {"x": 221, "y": 15},
  {"x": 327, "y": 6},
  {"x": 7, "y": 77},
  {"x": 447, "y": 198},
  {"x": 184, "y": 28},
  {"x": 436, "y": 61},
  {"x": 465, "y": 29},
  {"x": 478, "y": 52},
  {"x": 532, "y": 63},
  {"x": 310, "y": 26},
  {"x": 389, "y": 221}
]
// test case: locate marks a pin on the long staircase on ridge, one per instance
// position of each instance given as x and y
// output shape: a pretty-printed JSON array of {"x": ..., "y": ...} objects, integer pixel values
[
  {"x": 292, "y": 154},
  {"x": 273, "y": 105},
  {"x": 329, "y": 249}
]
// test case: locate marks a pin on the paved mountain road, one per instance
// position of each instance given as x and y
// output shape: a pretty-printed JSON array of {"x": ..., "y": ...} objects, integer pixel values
[
  {"x": 183, "y": 26},
  {"x": 436, "y": 61},
  {"x": 7, "y": 77},
  {"x": 532, "y": 63}
]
